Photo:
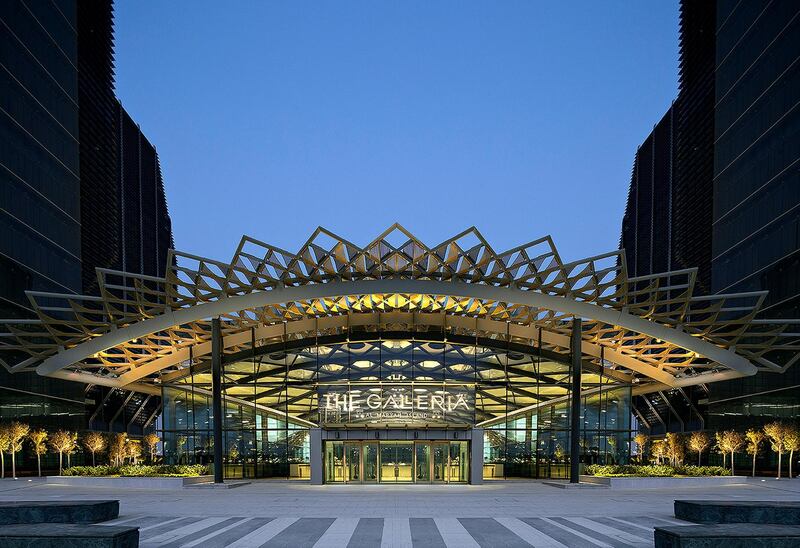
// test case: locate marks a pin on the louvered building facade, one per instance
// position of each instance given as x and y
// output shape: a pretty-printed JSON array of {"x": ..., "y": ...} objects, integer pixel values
[
  {"x": 81, "y": 188},
  {"x": 733, "y": 192}
]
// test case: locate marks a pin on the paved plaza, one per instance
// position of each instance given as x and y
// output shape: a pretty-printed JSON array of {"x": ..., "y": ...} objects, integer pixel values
[{"x": 295, "y": 514}]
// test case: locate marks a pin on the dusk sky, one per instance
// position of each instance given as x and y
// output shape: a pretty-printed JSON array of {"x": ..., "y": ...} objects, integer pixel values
[{"x": 521, "y": 118}]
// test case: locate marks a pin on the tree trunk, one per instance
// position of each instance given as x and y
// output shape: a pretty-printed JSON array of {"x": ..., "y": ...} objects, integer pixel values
[
  {"x": 724, "y": 460},
  {"x": 13, "y": 464},
  {"x": 60, "y": 464},
  {"x": 39, "y": 464},
  {"x": 791, "y": 457},
  {"x": 754, "y": 465},
  {"x": 779, "y": 464},
  {"x": 2, "y": 465},
  {"x": 92, "y": 458},
  {"x": 733, "y": 473}
]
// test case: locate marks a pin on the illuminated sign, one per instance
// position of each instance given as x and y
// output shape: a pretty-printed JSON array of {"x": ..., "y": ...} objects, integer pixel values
[{"x": 401, "y": 404}]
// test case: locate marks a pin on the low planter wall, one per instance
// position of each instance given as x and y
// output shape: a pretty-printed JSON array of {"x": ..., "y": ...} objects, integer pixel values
[
  {"x": 659, "y": 483},
  {"x": 128, "y": 482}
]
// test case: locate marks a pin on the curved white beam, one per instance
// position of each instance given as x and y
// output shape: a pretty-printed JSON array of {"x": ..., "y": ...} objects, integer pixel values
[{"x": 228, "y": 305}]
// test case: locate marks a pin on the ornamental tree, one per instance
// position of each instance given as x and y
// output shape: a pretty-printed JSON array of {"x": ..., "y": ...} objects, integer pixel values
[
  {"x": 642, "y": 441},
  {"x": 792, "y": 439},
  {"x": 94, "y": 442},
  {"x": 732, "y": 442},
  {"x": 699, "y": 442},
  {"x": 61, "y": 442},
  {"x": 117, "y": 449},
  {"x": 675, "y": 448},
  {"x": 659, "y": 451},
  {"x": 754, "y": 440},
  {"x": 719, "y": 445},
  {"x": 133, "y": 450},
  {"x": 151, "y": 441},
  {"x": 5, "y": 445},
  {"x": 776, "y": 432},
  {"x": 17, "y": 432},
  {"x": 73, "y": 445},
  {"x": 38, "y": 438}
]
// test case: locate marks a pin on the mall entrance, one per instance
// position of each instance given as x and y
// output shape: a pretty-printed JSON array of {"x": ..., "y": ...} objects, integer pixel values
[{"x": 369, "y": 461}]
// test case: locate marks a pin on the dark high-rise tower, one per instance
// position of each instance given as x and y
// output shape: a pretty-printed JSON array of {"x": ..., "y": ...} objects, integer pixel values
[
  {"x": 80, "y": 188},
  {"x": 734, "y": 187},
  {"x": 40, "y": 217}
]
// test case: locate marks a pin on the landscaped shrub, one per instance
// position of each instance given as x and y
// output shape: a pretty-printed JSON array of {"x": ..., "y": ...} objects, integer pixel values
[
  {"x": 653, "y": 471},
  {"x": 140, "y": 470},
  {"x": 703, "y": 471}
]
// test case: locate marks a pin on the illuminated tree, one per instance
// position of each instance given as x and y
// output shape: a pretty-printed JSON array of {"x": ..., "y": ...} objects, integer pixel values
[
  {"x": 699, "y": 442},
  {"x": 73, "y": 445},
  {"x": 38, "y": 439},
  {"x": 776, "y": 432},
  {"x": 117, "y": 450},
  {"x": 792, "y": 440},
  {"x": 61, "y": 442},
  {"x": 612, "y": 445},
  {"x": 151, "y": 441},
  {"x": 659, "y": 451},
  {"x": 754, "y": 440},
  {"x": 731, "y": 442},
  {"x": 94, "y": 442},
  {"x": 133, "y": 450},
  {"x": 5, "y": 445},
  {"x": 641, "y": 441},
  {"x": 719, "y": 446},
  {"x": 675, "y": 448},
  {"x": 180, "y": 443},
  {"x": 17, "y": 432}
]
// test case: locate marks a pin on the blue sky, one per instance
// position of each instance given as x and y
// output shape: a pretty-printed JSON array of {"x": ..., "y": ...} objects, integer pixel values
[{"x": 521, "y": 118}]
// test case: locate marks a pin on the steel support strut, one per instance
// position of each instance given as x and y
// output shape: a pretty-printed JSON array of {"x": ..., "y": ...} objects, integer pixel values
[
  {"x": 216, "y": 395},
  {"x": 575, "y": 400}
]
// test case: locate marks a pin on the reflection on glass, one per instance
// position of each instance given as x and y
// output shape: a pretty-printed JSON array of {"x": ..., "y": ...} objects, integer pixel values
[
  {"x": 334, "y": 462},
  {"x": 370, "y": 462},
  {"x": 389, "y": 469},
  {"x": 423, "y": 464},
  {"x": 459, "y": 459},
  {"x": 353, "y": 453},
  {"x": 405, "y": 461},
  {"x": 440, "y": 453}
]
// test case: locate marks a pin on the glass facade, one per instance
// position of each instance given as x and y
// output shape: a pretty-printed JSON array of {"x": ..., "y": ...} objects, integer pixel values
[
  {"x": 535, "y": 443},
  {"x": 258, "y": 443},
  {"x": 274, "y": 395}
]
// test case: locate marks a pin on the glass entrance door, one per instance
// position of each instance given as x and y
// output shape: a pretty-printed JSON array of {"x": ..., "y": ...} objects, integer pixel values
[
  {"x": 397, "y": 462},
  {"x": 405, "y": 462},
  {"x": 370, "y": 462},
  {"x": 459, "y": 462},
  {"x": 353, "y": 462},
  {"x": 334, "y": 462},
  {"x": 440, "y": 453},
  {"x": 389, "y": 468},
  {"x": 422, "y": 466}
]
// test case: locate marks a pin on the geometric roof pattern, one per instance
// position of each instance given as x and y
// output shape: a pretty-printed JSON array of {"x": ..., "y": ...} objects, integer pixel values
[{"x": 655, "y": 329}]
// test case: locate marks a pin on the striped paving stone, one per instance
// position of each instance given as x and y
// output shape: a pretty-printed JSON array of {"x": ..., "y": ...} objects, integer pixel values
[
  {"x": 503, "y": 532},
  {"x": 425, "y": 533},
  {"x": 489, "y": 532},
  {"x": 303, "y": 532}
]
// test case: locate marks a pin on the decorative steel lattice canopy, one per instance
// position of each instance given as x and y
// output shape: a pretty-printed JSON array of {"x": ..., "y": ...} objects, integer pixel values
[{"x": 652, "y": 331}]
